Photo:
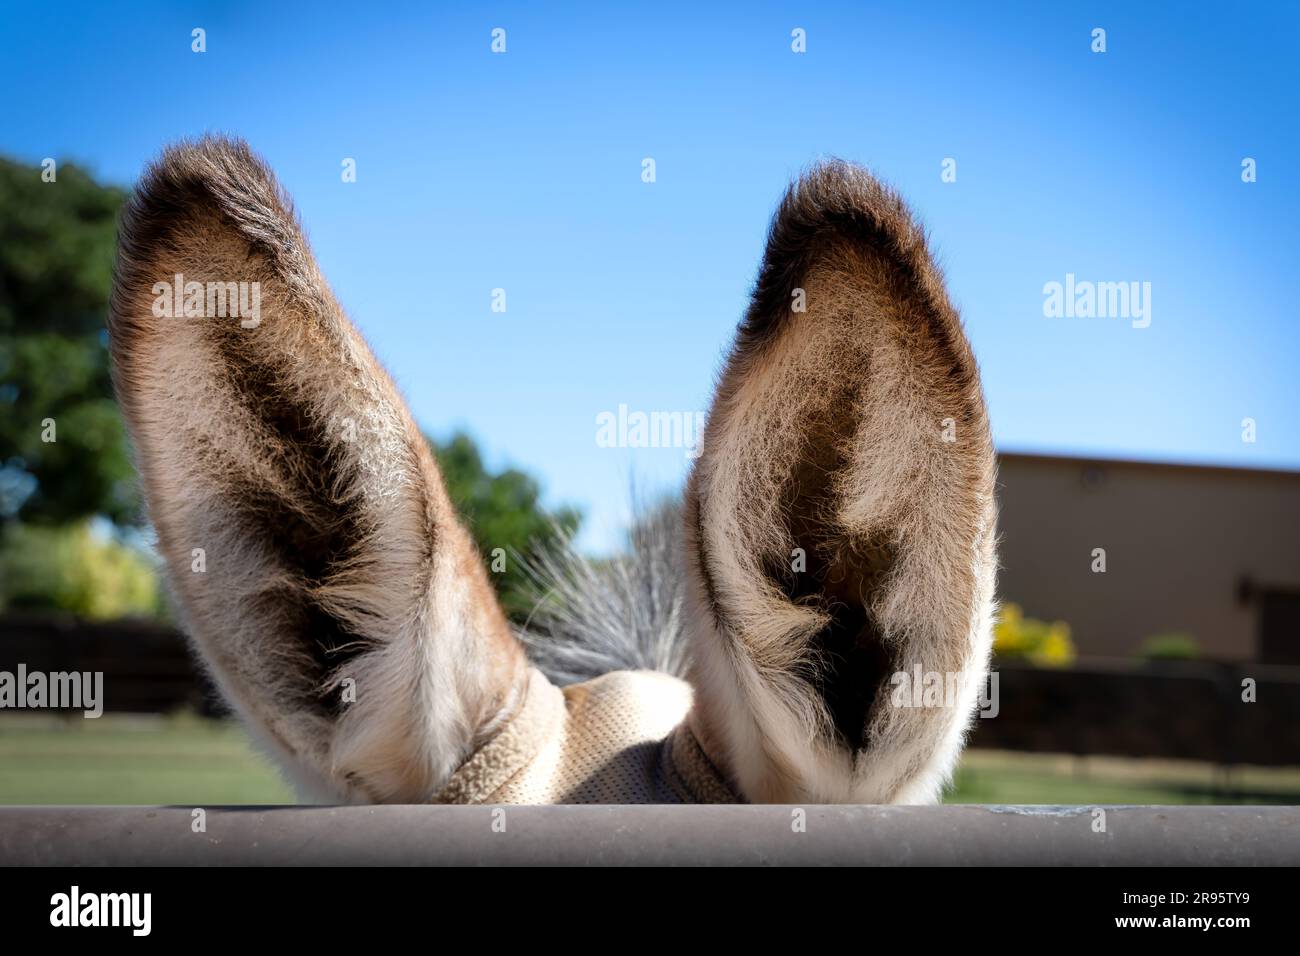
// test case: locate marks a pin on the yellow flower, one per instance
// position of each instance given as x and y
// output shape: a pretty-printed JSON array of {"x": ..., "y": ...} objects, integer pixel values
[{"x": 1015, "y": 635}]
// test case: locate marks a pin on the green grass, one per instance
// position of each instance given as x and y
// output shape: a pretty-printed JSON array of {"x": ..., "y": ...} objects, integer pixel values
[
  {"x": 993, "y": 776},
  {"x": 189, "y": 761},
  {"x": 118, "y": 759}
]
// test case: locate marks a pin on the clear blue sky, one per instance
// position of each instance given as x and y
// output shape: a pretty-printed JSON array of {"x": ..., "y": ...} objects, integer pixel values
[{"x": 523, "y": 171}]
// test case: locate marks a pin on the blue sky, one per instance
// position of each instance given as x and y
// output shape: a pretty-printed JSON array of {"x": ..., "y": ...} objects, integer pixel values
[{"x": 522, "y": 171}]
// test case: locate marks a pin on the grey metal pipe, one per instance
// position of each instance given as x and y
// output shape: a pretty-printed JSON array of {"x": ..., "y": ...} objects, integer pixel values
[{"x": 652, "y": 835}]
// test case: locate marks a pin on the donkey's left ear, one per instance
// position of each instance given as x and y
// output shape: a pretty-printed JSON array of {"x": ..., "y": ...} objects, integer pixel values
[{"x": 321, "y": 570}]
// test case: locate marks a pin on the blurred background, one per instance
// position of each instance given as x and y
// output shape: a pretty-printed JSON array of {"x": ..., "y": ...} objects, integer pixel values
[{"x": 1161, "y": 151}]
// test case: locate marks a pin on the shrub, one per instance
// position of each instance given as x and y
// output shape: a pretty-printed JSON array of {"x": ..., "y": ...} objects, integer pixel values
[
  {"x": 1018, "y": 637},
  {"x": 80, "y": 568},
  {"x": 1169, "y": 646}
]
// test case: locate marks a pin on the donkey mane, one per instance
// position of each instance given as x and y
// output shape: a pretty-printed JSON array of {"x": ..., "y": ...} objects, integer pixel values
[{"x": 624, "y": 613}]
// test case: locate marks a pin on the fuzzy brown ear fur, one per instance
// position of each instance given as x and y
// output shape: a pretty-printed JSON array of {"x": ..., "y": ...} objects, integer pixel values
[
  {"x": 840, "y": 521},
  {"x": 316, "y": 558}
]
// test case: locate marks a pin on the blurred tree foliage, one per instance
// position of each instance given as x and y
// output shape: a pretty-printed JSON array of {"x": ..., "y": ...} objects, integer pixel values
[
  {"x": 503, "y": 510},
  {"x": 79, "y": 568},
  {"x": 83, "y": 568},
  {"x": 57, "y": 243}
]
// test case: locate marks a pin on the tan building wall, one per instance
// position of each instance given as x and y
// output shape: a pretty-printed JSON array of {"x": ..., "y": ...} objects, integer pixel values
[{"x": 1200, "y": 550}]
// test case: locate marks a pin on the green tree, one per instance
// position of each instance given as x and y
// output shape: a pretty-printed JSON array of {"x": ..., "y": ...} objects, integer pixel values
[
  {"x": 57, "y": 243},
  {"x": 80, "y": 568},
  {"x": 503, "y": 510}
]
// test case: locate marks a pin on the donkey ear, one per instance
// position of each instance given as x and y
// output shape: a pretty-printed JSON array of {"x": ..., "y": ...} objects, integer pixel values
[
  {"x": 316, "y": 558},
  {"x": 840, "y": 520}
]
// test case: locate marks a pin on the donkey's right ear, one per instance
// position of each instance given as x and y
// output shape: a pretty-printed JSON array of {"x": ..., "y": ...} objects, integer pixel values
[
  {"x": 317, "y": 560},
  {"x": 840, "y": 520}
]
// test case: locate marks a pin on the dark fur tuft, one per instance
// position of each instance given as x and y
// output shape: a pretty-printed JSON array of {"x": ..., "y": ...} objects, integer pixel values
[
  {"x": 211, "y": 174},
  {"x": 839, "y": 208}
]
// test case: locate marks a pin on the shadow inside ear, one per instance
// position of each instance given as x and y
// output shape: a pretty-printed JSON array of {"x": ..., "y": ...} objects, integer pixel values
[
  {"x": 840, "y": 574},
  {"x": 308, "y": 530}
]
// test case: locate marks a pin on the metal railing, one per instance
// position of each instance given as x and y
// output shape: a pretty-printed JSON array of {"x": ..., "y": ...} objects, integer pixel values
[{"x": 652, "y": 835}]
